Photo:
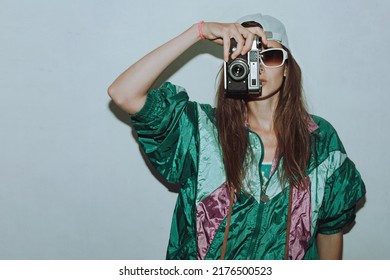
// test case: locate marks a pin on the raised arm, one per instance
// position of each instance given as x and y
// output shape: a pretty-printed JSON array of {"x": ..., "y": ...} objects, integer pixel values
[{"x": 129, "y": 90}]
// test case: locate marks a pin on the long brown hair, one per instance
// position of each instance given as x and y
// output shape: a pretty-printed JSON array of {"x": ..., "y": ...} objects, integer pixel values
[{"x": 290, "y": 127}]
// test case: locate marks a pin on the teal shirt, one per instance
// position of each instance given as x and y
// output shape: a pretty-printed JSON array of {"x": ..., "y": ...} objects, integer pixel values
[{"x": 180, "y": 139}]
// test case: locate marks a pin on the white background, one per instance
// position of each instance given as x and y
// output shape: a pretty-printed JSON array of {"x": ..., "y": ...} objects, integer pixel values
[{"x": 73, "y": 183}]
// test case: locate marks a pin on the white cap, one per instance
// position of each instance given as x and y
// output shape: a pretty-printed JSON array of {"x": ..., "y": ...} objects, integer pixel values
[{"x": 273, "y": 28}]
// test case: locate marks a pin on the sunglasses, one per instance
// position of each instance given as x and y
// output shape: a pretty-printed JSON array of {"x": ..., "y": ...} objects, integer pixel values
[{"x": 273, "y": 58}]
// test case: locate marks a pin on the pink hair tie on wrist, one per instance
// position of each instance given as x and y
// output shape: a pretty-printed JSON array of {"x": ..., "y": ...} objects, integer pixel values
[{"x": 201, "y": 35}]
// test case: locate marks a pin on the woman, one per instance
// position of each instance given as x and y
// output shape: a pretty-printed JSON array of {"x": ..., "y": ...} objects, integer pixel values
[{"x": 260, "y": 177}]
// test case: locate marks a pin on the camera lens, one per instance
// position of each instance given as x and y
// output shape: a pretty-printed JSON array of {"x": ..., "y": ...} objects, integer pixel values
[{"x": 238, "y": 69}]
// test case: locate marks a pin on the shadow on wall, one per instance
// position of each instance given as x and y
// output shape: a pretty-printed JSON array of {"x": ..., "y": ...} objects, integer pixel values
[{"x": 199, "y": 48}]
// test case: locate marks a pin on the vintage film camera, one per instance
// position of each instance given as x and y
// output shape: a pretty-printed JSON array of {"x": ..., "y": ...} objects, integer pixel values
[{"x": 241, "y": 75}]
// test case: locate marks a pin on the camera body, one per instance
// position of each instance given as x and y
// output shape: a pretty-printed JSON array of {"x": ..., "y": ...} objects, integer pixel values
[{"x": 242, "y": 74}]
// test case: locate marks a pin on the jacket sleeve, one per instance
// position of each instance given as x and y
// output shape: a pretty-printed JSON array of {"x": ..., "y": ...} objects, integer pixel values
[
  {"x": 343, "y": 189},
  {"x": 166, "y": 129}
]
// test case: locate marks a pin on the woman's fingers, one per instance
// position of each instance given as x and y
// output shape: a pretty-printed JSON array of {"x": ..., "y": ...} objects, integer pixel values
[
  {"x": 250, "y": 37},
  {"x": 240, "y": 38},
  {"x": 222, "y": 33},
  {"x": 226, "y": 47},
  {"x": 257, "y": 31}
]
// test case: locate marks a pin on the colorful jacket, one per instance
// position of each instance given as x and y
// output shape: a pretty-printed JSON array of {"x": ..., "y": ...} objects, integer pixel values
[{"x": 180, "y": 139}]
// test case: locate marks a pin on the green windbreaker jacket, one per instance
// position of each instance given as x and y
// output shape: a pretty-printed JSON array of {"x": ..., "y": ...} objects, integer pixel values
[{"x": 180, "y": 139}]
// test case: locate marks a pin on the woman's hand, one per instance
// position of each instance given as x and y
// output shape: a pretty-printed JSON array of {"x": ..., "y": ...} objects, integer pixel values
[
  {"x": 129, "y": 90},
  {"x": 221, "y": 33}
]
